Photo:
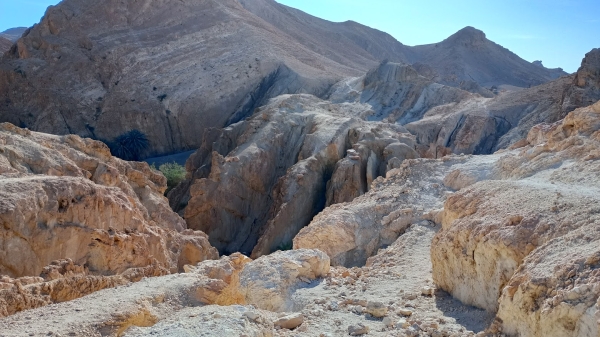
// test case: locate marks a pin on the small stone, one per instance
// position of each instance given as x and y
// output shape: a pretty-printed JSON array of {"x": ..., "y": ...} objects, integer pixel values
[
  {"x": 290, "y": 321},
  {"x": 376, "y": 309},
  {"x": 404, "y": 312},
  {"x": 358, "y": 329},
  {"x": 388, "y": 322},
  {"x": 251, "y": 315},
  {"x": 427, "y": 291},
  {"x": 402, "y": 323}
]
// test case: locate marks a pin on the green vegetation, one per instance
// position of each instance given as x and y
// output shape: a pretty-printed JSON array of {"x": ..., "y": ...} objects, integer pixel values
[{"x": 174, "y": 172}]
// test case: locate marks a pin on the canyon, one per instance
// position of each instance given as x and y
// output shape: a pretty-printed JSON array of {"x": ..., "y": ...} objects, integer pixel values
[{"x": 339, "y": 182}]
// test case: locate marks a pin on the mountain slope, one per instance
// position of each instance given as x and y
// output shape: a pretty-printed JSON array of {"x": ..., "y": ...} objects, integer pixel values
[
  {"x": 469, "y": 55},
  {"x": 172, "y": 69},
  {"x": 5, "y": 45},
  {"x": 13, "y": 34},
  {"x": 169, "y": 68}
]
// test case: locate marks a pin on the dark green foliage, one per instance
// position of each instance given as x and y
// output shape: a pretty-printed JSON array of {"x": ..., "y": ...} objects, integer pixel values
[
  {"x": 130, "y": 145},
  {"x": 285, "y": 246}
]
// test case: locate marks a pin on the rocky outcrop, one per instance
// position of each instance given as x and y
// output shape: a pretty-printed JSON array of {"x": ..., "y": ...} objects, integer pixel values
[
  {"x": 352, "y": 232},
  {"x": 522, "y": 247},
  {"x": 586, "y": 84},
  {"x": 254, "y": 185},
  {"x": 63, "y": 281},
  {"x": 266, "y": 283},
  {"x": 223, "y": 285},
  {"x": 67, "y": 197},
  {"x": 485, "y": 125},
  {"x": 396, "y": 92}
]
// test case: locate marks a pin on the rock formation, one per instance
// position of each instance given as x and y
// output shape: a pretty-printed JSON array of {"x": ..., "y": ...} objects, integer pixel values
[
  {"x": 229, "y": 281},
  {"x": 523, "y": 246},
  {"x": 65, "y": 197},
  {"x": 263, "y": 179}
]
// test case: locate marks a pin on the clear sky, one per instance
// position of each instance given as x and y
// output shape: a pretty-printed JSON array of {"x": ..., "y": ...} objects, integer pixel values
[{"x": 558, "y": 32}]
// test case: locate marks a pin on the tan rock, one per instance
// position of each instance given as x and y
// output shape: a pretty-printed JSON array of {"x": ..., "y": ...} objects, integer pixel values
[
  {"x": 267, "y": 281},
  {"x": 376, "y": 309},
  {"x": 64, "y": 197},
  {"x": 290, "y": 321},
  {"x": 522, "y": 247}
]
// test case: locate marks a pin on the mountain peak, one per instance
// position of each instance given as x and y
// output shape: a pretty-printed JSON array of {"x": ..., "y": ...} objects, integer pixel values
[{"x": 468, "y": 35}]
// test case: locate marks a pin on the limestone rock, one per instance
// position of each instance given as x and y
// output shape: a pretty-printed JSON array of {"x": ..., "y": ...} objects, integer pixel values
[
  {"x": 522, "y": 247},
  {"x": 267, "y": 281},
  {"x": 352, "y": 232},
  {"x": 262, "y": 180},
  {"x": 358, "y": 330},
  {"x": 67, "y": 197},
  {"x": 62, "y": 281},
  {"x": 376, "y": 309},
  {"x": 290, "y": 321}
]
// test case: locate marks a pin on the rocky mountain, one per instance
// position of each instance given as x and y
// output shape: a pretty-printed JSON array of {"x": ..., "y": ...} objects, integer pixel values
[
  {"x": 13, "y": 34},
  {"x": 172, "y": 69},
  {"x": 341, "y": 182},
  {"x": 469, "y": 56},
  {"x": 5, "y": 45},
  {"x": 527, "y": 259}
]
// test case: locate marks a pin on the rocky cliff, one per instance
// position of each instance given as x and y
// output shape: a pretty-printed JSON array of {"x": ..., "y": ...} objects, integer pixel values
[{"x": 66, "y": 197}]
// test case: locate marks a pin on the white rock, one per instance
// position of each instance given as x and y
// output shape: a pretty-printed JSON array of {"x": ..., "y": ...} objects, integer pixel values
[
  {"x": 359, "y": 329},
  {"x": 290, "y": 321}
]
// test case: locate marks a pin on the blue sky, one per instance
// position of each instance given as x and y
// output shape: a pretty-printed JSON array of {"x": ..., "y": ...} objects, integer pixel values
[{"x": 558, "y": 32}]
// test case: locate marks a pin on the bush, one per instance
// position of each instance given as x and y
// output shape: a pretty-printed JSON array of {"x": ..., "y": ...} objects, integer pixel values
[
  {"x": 130, "y": 145},
  {"x": 174, "y": 173}
]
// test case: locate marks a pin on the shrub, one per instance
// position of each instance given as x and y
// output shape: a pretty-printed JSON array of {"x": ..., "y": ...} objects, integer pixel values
[
  {"x": 130, "y": 145},
  {"x": 174, "y": 173}
]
